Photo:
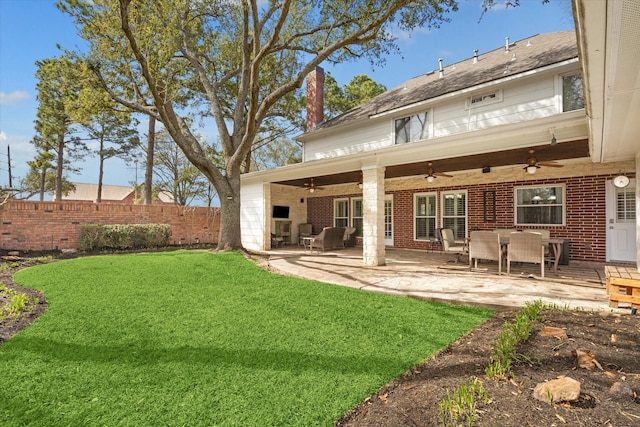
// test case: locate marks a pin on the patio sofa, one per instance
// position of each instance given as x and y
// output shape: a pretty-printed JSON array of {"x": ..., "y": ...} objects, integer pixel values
[{"x": 329, "y": 238}]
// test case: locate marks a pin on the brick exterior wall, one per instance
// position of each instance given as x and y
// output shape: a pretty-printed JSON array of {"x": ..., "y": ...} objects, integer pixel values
[
  {"x": 585, "y": 213},
  {"x": 36, "y": 226}
]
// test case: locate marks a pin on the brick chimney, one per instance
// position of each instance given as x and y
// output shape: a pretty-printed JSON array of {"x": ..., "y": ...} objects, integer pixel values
[{"x": 315, "y": 98}]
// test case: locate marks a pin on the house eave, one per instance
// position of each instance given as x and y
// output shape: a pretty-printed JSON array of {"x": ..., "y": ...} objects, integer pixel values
[{"x": 570, "y": 126}]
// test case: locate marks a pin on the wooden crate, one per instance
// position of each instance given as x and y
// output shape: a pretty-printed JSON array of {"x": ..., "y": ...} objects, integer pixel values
[{"x": 623, "y": 285}]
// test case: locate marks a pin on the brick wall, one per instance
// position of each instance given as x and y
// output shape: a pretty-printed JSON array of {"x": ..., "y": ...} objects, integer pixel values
[
  {"x": 36, "y": 226},
  {"x": 585, "y": 214}
]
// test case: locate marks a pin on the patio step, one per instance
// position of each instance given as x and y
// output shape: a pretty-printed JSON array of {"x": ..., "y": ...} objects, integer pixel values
[{"x": 623, "y": 286}]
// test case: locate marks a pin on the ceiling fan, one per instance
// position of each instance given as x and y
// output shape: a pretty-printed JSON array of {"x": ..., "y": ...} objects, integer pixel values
[
  {"x": 533, "y": 164},
  {"x": 311, "y": 186},
  {"x": 431, "y": 175}
]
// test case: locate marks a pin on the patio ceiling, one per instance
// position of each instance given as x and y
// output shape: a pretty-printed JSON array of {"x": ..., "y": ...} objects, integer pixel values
[{"x": 514, "y": 157}]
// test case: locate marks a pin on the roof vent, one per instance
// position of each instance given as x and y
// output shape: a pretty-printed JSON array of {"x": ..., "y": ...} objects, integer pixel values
[
  {"x": 475, "y": 56},
  {"x": 528, "y": 43},
  {"x": 506, "y": 44},
  {"x": 441, "y": 69}
]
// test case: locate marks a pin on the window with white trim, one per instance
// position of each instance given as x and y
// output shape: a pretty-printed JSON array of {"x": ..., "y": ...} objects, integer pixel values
[
  {"x": 341, "y": 213},
  {"x": 538, "y": 205},
  {"x": 356, "y": 218},
  {"x": 424, "y": 216},
  {"x": 412, "y": 128},
  {"x": 572, "y": 94},
  {"x": 454, "y": 213}
]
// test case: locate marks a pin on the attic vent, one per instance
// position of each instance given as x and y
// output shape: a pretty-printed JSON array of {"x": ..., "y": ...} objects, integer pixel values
[{"x": 484, "y": 99}]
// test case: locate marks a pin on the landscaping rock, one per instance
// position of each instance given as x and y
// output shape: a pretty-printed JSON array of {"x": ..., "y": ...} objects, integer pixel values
[
  {"x": 550, "y": 331},
  {"x": 563, "y": 389},
  {"x": 621, "y": 390}
]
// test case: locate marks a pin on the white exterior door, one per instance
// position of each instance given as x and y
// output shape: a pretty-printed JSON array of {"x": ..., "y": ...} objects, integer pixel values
[
  {"x": 621, "y": 222},
  {"x": 388, "y": 220}
]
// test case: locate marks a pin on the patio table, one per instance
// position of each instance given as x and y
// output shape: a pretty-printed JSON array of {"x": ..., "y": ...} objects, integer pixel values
[{"x": 306, "y": 242}]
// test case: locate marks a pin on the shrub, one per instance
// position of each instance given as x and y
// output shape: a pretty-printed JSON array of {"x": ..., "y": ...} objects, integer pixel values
[{"x": 123, "y": 236}]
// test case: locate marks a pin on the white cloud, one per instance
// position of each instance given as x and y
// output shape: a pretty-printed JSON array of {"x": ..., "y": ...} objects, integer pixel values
[
  {"x": 13, "y": 98},
  {"x": 3, "y": 136}
]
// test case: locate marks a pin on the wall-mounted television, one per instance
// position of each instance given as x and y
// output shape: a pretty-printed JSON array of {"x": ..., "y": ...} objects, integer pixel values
[{"x": 280, "y": 211}]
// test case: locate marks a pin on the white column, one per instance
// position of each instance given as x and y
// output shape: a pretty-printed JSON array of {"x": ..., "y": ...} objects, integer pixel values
[{"x": 373, "y": 253}]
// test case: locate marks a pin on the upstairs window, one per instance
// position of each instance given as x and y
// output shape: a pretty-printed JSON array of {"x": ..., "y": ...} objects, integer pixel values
[
  {"x": 412, "y": 128},
  {"x": 572, "y": 95}
]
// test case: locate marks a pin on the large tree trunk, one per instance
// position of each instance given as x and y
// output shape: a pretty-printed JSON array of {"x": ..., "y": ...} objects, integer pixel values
[
  {"x": 230, "y": 237},
  {"x": 148, "y": 175}
]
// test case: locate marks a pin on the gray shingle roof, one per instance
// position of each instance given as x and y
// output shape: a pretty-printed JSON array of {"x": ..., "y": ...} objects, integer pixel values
[{"x": 525, "y": 55}]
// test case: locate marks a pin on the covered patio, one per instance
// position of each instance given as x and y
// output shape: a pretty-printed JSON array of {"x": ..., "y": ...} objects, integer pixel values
[{"x": 436, "y": 276}]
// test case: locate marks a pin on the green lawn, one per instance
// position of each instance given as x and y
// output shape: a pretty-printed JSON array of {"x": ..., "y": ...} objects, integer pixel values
[{"x": 203, "y": 339}]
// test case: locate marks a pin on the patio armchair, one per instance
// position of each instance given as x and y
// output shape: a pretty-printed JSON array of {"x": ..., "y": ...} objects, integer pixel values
[
  {"x": 485, "y": 245},
  {"x": 545, "y": 234},
  {"x": 304, "y": 230},
  {"x": 329, "y": 238},
  {"x": 276, "y": 241},
  {"x": 525, "y": 247},
  {"x": 450, "y": 245},
  {"x": 348, "y": 235}
]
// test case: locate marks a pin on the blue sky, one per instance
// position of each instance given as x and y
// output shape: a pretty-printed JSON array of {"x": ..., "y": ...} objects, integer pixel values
[{"x": 30, "y": 30}]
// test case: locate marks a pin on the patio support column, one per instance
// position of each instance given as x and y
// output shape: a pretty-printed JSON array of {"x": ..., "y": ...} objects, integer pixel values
[{"x": 373, "y": 252}]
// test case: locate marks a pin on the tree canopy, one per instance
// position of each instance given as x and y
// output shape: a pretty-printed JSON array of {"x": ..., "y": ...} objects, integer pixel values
[{"x": 233, "y": 64}]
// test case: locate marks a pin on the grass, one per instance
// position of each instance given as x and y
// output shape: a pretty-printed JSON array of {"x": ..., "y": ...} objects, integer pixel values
[{"x": 203, "y": 339}]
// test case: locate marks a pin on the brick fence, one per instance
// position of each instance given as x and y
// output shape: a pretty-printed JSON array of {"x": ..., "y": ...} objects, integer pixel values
[{"x": 38, "y": 226}]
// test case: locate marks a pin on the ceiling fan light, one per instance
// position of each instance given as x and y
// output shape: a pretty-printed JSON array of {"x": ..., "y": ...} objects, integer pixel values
[
  {"x": 360, "y": 185},
  {"x": 430, "y": 178},
  {"x": 312, "y": 190},
  {"x": 531, "y": 169}
]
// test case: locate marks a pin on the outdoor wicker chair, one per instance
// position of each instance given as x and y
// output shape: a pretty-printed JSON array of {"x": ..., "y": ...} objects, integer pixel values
[
  {"x": 450, "y": 245},
  {"x": 485, "y": 245},
  {"x": 525, "y": 247}
]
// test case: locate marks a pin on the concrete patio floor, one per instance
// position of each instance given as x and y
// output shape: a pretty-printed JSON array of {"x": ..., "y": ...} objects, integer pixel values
[{"x": 435, "y": 276}]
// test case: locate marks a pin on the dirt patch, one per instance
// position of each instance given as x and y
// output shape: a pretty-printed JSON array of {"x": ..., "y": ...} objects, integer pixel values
[
  {"x": 609, "y": 391},
  {"x": 608, "y": 396}
]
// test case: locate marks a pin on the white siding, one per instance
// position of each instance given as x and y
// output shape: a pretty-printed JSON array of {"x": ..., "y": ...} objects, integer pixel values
[
  {"x": 372, "y": 136},
  {"x": 522, "y": 100},
  {"x": 529, "y": 100},
  {"x": 252, "y": 215}
]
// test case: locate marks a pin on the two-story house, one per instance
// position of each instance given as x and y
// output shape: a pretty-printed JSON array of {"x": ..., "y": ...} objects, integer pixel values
[{"x": 500, "y": 140}]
